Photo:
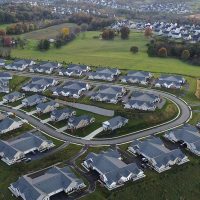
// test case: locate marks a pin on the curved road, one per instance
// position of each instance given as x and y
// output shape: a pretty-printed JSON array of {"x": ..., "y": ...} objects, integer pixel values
[{"x": 185, "y": 114}]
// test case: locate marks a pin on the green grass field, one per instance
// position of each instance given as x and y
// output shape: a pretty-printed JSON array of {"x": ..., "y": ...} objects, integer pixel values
[
  {"x": 48, "y": 33},
  {"x": 96, "y": 52}
]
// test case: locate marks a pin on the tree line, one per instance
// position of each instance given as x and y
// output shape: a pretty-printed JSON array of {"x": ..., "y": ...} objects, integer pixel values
[{"x": 182, "y": 50}]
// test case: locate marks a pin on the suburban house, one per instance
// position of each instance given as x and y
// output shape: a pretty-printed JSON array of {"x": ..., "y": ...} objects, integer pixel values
[
  {"x": 158, "y": 156},
  {"x": 59, "y": 115},
  {"x": 140, "y": 77},
  {"x": 39, "y": 84},
  {"x": 16, "y": 150},
  {"x": 9, "y": 124},
  {"x": 114, "y": 123},
  {"x": 4, "y": 82},
  {"x": 104, "y": 74},
  {"x": 33, "y": 100},
  {"x": 109, "y": 94},
  {"x": 113, "y": 172},
  {"x": 53, "y": 181},
  {"x": 2, "y": 62},
  {"x": 142, "y": 101},
  {"x": 187, "y": 135},
  {"x": 166, "y": 81},
  {"x": 74, "y": 70},
  {"x": 47, "y": 107},
  {"x": 80, "y": 121},
  {"x": 2, "y": 116},
  {"x": 73, "y": 89},
  {"x": 45, "y": 67},
  {"x": 20, "y": 65},
  {"x": 12, "y": 97}
]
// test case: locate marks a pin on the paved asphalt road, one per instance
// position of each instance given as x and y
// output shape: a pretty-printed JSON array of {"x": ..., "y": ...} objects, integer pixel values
[{"x": 185, "y": 113}]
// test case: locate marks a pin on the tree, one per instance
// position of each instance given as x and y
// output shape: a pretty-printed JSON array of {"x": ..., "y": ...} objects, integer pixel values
[
  {"x": 2, "y": 32},
  {"x": 65, "y": 32},
  {"x": 58, "y": 43},
  {"x": 44, "y": 44},
  {"x": 7, "y": 41},
  {"x": 148, "y": 32},
  {"x": 134, "y": 49},
  {"x": 84, "y": 27},
  {"x": 162, "y": 52},
  {"x": 185, "y": 54},
  {"x": 108, "y": 34},
  {"x": 125, "y": 31}
]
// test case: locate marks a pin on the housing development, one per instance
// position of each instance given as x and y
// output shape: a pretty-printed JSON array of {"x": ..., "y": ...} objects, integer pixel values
[{"x": 99, "y": 100}]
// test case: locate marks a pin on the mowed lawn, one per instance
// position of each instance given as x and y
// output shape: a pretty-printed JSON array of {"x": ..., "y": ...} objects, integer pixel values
[
  {"x": 47, "y": 33},
  {"x": 95, "y": 52}
]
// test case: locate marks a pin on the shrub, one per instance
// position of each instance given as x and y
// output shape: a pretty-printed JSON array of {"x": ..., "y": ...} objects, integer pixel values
[
  {"x": 162, "y": 52},
  {"x": 134, "y": 49},
  {"x": 185, "y": 54}
]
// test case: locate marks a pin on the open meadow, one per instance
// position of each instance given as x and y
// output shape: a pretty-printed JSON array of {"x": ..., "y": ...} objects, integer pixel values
[{"x": 85, "y": 49}]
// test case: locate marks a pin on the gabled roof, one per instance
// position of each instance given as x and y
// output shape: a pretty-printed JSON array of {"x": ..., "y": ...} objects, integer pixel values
[
  {"x": 75, "y": 120},
  {"x": 171, "y": 78},
  {"x": 43, "y": 106},
  {"x": 52, "y": 180},
  {"x": 33, "y": 98},
  {"x": 58, "y": 113},
  {"x": 6, "y": 123},
  {"x": 111, "y": 166},
  {"x": 5, "y": 75},
  {"x": 143, "y": 97},
  {"x": 139, "y": 74},
  {"x": 115, "y": 121},
  {"x": 154, "y": 148},
  {"x": 12, "y": 95}
]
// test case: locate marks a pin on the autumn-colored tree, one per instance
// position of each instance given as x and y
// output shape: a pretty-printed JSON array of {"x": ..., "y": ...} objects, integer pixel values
[
  {"x": 2, "y": 32},
  {"x": 185, "y": 54},
  {"x": 65, "y": 32},
  {"x": 148, "y": 32},
  {"x": 162, "y": 52},
  {"x": 7, "y": 41}
]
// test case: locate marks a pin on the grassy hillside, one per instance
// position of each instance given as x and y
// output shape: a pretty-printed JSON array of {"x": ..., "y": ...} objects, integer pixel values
[{"x": 87, "y": 50}]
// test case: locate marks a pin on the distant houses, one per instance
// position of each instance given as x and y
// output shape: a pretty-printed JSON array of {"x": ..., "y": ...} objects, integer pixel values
[
  {"x": 187, "y": 135},
  {"x": 108, "y": 94},
  {"x": 43, "y": 186},
  {"x": 157, "y": 155},
  {"x": 16, "y": 150},
  {"x": 113, "y": 172},
  {"x": 46, "y": 107},
  {"x": 39, "y": 84}
]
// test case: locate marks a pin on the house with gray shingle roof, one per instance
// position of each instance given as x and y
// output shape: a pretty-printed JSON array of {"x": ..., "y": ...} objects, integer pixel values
[
  {"x": 114, "y": 123},
  {"x": 17, "y": 149},
  {"x": 140, "y": 77},
  {"x": 20, "y": 65},
  {"x": 33, "y": 100},
  {"x": 82, "y": 121},
  {"x": 12, "y": 97},
  {"x": 61, "y": 114},
  {"x": 51, "y": 182},
  {"x": 2, "y": 62},
  {"x": 109, "y": 94},
  {"x": 47, "y": 107},
  {"x": 9, "y": 124},
  {"x": 188, "y": 135},
  {"x": 74, "y": 70},
  {"x": 169, "y": 81},
  {"x": 38, "y": 84},
  {"x": 142, "y": 101},
  {"x": 73, "y": 89},
  {"x": 157, "y": 155},
  {"x": 104, "y": 74},
  {"x": 112, "y": 170},
  {"x": 4, "y": 82}
]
